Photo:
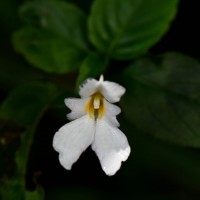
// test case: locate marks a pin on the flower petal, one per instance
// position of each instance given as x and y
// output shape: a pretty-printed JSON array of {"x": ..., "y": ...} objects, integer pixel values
[
  {"x": 111, "y": 109},
  {"x": 112, "y": 120},
  {"x": 112, "y": 91},
  {"x": 72, "y": 139},
  {"x": 76, "y": 106},
  {"x": 89, "y": 87},
  {"x": 111, "y": 112},
  {"x": 111, "y": 146}
]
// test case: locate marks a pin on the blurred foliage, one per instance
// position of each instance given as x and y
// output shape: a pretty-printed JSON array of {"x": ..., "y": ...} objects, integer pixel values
[
  {"x": 124, "y": 30},
  {"x": 92, "y": 66},
  {"x": 47, "y": 40},
  {"x": 48, "y": 49},
  {"x": 165, "y": 97}
]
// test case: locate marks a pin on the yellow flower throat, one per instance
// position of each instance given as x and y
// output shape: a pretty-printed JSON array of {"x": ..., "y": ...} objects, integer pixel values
[{"x": 95, "y": 106}]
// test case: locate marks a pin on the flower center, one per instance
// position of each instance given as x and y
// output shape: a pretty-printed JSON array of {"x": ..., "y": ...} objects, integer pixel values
[{"x": 95, "y": 106}]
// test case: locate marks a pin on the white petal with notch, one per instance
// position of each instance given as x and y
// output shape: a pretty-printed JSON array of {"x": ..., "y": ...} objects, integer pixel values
[
  {"x": 72, "y": 139},
  {"x": 77, "y": 106},
  {"x": 111, "y": 146}
]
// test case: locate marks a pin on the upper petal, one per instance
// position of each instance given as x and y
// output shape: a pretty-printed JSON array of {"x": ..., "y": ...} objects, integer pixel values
[
  {"x": 112, "y": 91},
  {"x": 77, "y": 106},
  {"x": 72, "y": 139},
  {"x": 111, "y": 146},
  {"x": 89, "y": 87}
]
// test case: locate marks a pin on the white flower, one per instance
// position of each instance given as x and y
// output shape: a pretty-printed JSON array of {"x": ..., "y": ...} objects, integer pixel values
[{"x": 94, "y": 123}]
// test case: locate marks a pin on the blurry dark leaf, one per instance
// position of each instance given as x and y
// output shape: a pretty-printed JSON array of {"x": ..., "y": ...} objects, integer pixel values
[
  {"x": 55, "y": 39},
  {"x": 8, "y": 13},
  {"x": 12, "y": 189},
  {"x": 93, "y": 66},
  {"x": 175, "y": 164},
  {"x": 9, "y": 143},
  {"x": 13, "y": 73},
  {"x": 84, "y": 5},
  {"x": 128, "y": 28},
  {"x": 38, "y": 194},
  {"x": 163, "y": 98},
  {"x": 47, "y": 52},
  {"x": 25, "y": 103}
]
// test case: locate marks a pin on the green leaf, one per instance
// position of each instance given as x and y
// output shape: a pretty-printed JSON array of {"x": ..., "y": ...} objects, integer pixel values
[
  {"x": 58, "y": 17},
  {"x": 25, "y": 103},
  {"x": 128, "y": 28},
  {"x": 46, "y": 51},
  {"x": 93, "y": 66},
  {"x": 21, "y": 73},
  {"x": 12, "y": 189},
  {"x": 38, "y": 194},
  {"x": 163, "y": 98},
  {"x": 54, "y": 39}
]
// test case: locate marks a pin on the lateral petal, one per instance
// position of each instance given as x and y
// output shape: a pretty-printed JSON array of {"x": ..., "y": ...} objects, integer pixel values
[
  {"x": 72, "y": 139},
  {"x": 111, "y": 112},
  {"x": 76, "y": 105},
  {"x": 111, "y": 109},
  {"x": 112, "y": 91},
  {"x": 111, "y": 146}
]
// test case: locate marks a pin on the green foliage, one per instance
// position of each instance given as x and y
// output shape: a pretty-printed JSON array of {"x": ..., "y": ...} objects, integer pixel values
[
  {"x": 58, "y": 17},
  {"x": 12, "y": 189},
  {"x": 68, "y": 46},
  {"x": 92, "y": 66},
  {"x": 54, "y": 38},
  {"x": 126, "y": 29},
  {"x": 163, "y": 98},
  {"x": 48, "y": 52},
  {"x": 20, "y": 73},
  {"x": 25, "y": 105},
  {"x": 38, "y": 194}
]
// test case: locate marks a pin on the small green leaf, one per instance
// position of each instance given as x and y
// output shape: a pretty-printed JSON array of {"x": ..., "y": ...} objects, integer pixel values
[
  {"x": 93, "y": 66},
  {"x": 128, "y": 28},
  {"x": 163, "y": 98},
  {"x": 47, "y": 51},
  {"x": 55, "y": 38}
]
